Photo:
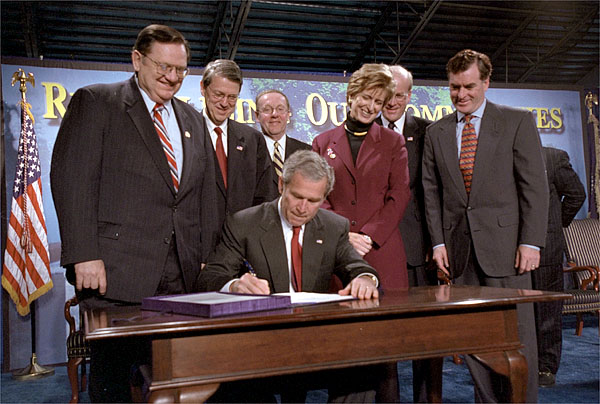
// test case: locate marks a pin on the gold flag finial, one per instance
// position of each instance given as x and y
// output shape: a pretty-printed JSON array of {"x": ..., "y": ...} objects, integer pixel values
[
  {"x": 591, "y": 100},
  {"x": 22, "y": 78}
]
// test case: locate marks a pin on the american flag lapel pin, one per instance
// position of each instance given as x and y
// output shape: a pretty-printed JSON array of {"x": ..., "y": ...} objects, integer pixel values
[
  {"x": 409, "y": 139},
  {"x": 240, "y": 148},
  {"x": 319, "y": 241},
  {"x": 330, "y": 153}
]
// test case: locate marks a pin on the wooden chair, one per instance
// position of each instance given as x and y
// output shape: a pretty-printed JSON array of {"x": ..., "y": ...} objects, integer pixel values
[
  {"x": 583, "y": 255},
  {"x": 78, "y": 352}
]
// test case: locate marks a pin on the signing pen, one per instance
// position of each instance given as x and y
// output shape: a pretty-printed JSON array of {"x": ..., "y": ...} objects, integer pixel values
[{"x": 249, "y": 268}]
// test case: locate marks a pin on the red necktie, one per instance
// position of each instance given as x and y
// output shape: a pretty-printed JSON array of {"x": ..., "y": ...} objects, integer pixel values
[
  {"x": 221, "y": 155},
  {"x": 468, "y": 148},
  {"x": 296, "y": 260},
  {"x": 166, "y": 142}
]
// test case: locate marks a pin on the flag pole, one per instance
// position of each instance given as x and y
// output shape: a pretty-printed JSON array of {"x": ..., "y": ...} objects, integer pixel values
[{"x": 33, "y": 370}]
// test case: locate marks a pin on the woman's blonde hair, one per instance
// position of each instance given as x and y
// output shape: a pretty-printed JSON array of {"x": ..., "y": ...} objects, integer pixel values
[{"x": 369, "y": 76}]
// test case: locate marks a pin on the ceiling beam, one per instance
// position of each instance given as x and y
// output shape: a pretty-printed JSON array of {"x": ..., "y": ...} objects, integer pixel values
[
  {"x": 30, "y": 33},
  {"x": 515, "y": 35},
  {"x": 575, "y": 29},
  {"x": 238, "y": 27},
  {"x": 417, "y": 30},
  {"x": 385, "y": 12},
  {"x": 216, "y": 33}
]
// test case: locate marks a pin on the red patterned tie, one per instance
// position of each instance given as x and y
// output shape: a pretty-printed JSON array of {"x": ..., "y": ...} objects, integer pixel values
[
  {"x": 468, "y": 148},
  {"x": 296, "y": 260},
  {"x": 166, "y": 143},
  {"x": 221, "y": 154}
]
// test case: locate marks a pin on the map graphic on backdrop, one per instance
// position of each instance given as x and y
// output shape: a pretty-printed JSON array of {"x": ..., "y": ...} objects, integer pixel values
[{"x": 317, "y": 105}]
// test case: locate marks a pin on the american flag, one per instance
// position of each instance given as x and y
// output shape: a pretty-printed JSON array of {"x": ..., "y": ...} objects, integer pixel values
[{"x": 26, "y": 270}]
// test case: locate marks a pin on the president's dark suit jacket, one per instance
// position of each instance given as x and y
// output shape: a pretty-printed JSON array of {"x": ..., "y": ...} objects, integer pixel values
[
  {"x": 255, "y": 234},
  {"x": 372, "y": 194},
  {"x": 114, "y": 195},
  {"x": 508, "y": 204},
  {"x": 292, "y": 145},
  {"x": 567, "y": 194},
  {"x": 413, "y": 226},
  {"x": 249, "y": 172}
]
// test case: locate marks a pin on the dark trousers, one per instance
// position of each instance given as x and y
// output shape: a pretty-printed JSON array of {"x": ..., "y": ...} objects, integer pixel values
[
  {"x": 490, "y": 387},
  {"x": 114, "y": 363},
  {"x": 548, "y": 317}
]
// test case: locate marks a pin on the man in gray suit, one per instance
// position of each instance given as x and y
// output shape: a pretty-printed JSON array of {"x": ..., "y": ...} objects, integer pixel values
[
  {"x": 243, "y": 174},
  {"x": 262, "y": 237},
  {"x": 273, "y": 112},
  {"x": 132, "y": 187},
  {"x": 567, "y": 194},
  {"x": 486, "y": 200}
]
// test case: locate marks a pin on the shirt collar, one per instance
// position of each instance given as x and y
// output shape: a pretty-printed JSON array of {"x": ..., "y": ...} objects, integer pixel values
[
  {"x": 149, "y": 103},
  {"x": 478, "y": 113},
  {"x": 210, "y": 125},
  {"x": 284, "y": 223}
]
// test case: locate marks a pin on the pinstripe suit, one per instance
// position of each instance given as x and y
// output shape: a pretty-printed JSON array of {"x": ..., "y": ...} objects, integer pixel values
[{"x": 567, "y": 194}]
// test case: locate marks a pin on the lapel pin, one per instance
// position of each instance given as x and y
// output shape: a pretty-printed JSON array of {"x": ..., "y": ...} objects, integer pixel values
[
  {"x": 187, "y": 134},
  {"x": 240, "y": 148},
  {"x": 409, "y": 139},
  {"x": 319, "y": 241}
]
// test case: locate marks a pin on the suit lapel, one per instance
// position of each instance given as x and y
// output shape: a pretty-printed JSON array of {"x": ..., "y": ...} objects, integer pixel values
[
  {"x": 341, "y": 148},
  {"x": 490, "y": 132},
  {"x": 449, "y": 148},
  {"x": 236, "y": 152},
  {"x": 312, "y": 253},
  {"x": 186, "y": 143},
  {"x": 136, "y": 108},
  {"x": 273, "y": 246},
  {"x": 369, "y": 146},
  {"x": 411, "y": 142}
]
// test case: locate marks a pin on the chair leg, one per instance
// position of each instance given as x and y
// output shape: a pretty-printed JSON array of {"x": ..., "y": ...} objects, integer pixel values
[
  {"x": 83, "y": 375},
  {"x": 579, "y": 327},
  {"x": 72, "y": 372}
]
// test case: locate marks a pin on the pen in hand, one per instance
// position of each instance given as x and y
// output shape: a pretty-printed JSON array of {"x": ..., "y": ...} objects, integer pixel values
[{"x": 249, "y": 268}]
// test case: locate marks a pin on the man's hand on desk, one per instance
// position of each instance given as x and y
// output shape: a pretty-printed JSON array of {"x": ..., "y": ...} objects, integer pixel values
[
  {"x": 90, "y": 275},
  {"x": 361, "y": 287},
  {"x": 250, "y": 284}
]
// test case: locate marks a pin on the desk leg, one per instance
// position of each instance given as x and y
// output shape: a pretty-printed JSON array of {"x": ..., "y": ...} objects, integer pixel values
[
  {"x": 191, "y": 394},
  {"x": 513, "y": 365}
]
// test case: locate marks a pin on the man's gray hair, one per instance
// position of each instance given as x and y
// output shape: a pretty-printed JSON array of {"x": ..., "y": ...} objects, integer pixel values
[
  {"x": 225, "y": 68},
  {"x": 311, "y": 166}
]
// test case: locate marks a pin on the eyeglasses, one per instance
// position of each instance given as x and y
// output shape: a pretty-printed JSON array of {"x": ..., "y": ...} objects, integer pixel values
[
  {"x": 165, "y": 68},
  {"x": 401, "y": 96},
  {"x": 268, "y": 110},
  {"x": 219, "y": 96}
]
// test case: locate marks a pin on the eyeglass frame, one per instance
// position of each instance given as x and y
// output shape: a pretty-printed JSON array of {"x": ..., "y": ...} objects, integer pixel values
[
  {"x": 219, "y": 97},
  {"x": 268, "y": 110},
  {"x": 165, "y": 68},
  {"x": 400, "y": 96}
]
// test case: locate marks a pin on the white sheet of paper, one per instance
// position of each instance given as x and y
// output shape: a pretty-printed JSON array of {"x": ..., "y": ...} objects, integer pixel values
[
  {"x": 213, "y": 298},
  {"x": 311, "y": 298}
]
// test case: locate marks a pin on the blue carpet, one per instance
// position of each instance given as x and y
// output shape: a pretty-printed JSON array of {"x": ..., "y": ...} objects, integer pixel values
[{"x": 577, "y": 380}]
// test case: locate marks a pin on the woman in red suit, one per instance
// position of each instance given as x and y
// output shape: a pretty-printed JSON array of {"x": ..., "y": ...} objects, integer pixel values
[{"x": 371, "y": 175}]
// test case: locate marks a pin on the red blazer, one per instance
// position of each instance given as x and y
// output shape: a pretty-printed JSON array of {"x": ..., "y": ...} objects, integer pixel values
[{"x": 372, "y": 195}]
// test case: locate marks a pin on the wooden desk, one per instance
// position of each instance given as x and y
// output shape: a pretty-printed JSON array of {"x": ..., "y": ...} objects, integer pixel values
[{"x": 192, "y": 355}]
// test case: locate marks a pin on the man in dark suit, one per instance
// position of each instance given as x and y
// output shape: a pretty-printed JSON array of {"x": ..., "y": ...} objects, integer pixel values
[
  {"x": 268, "y": 238},
  {"x": 413, "y": 226},
  {"x": 273, "y": 112},
  {"x": 486, "y": 201},
  {"x": 567, "y": 194},
  {"x": 130, "y": 182},
  {"x": 242, "y": 165}
]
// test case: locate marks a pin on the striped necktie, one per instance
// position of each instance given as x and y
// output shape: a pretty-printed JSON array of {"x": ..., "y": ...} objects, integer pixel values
[
  {"x": 391, "y": 125},
  {"x": 166, "y": 143},
  {"x": 277, "y": 160},
  {"x": 468, "y": 148}
]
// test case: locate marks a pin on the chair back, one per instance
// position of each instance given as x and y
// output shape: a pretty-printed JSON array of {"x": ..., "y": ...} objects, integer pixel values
[{"x": 582, "y": 239}]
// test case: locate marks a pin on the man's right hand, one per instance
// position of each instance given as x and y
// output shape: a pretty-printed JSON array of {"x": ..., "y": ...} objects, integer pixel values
[
  {"x": 250, "y": 284},
  {"x": 90, "y": 275},
  {"x": 440, "y": 257}
]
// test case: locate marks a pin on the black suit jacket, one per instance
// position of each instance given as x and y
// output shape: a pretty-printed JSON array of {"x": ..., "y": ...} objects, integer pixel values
[
  {"x": 413, "y": 225},
  {"x": 113, "y": 192},
  {"x": 567, "y": 194},
  {"x": 291, "y": 145},
  {"x": 255, "y": 234},
  {"x": 249, "y": 173}
]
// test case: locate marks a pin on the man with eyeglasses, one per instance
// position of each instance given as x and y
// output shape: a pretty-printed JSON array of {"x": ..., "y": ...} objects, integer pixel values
[
  {"x": 273, "y": 112},
  {"x": 132, "y": 187},
  {"x": 243, "y": 174}
]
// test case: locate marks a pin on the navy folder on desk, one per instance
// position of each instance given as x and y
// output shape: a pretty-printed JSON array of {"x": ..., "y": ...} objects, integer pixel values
[{"x": 214, "y": 304}]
